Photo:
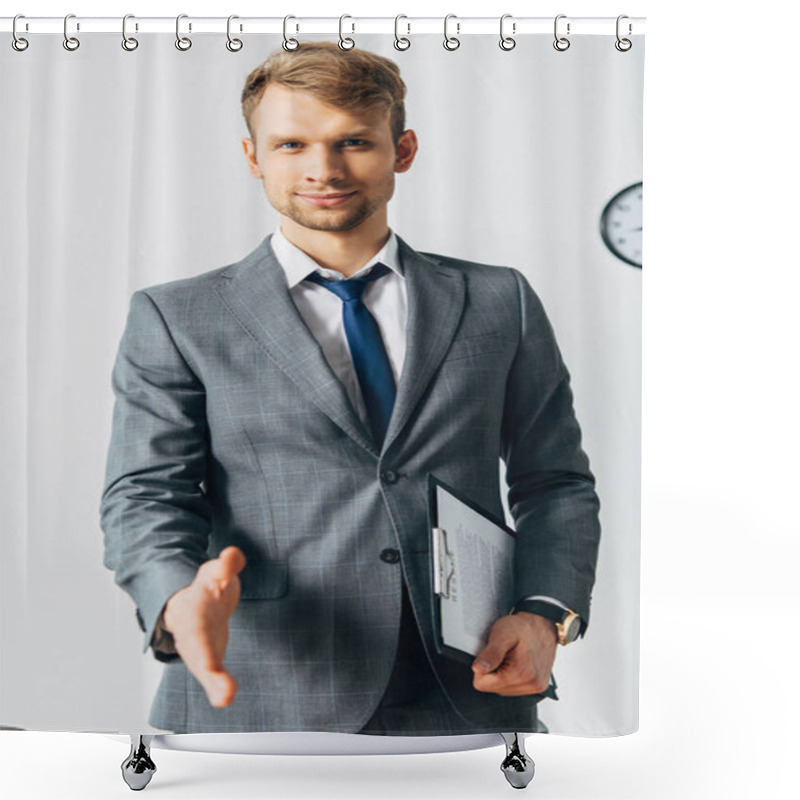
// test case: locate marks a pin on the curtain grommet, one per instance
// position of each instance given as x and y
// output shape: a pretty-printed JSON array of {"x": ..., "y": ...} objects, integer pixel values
[
  {"x": 19, "y": 43},
  {"x": 129, "y": 43},
  {"x": 561, "y": 43},
  {"x": 70, "y": 43},
  {"x": 289, "y": 44},
  {"x": 451, "y": 43},
  {"x": 234, "y": 45},
  {"x": 623, "y": 45},
  {"x": 345, "y": 42},
  {"x": 183, "y": 43},
  {"x": 507, "y": 42},
  {"x": 401, "y": 42}
]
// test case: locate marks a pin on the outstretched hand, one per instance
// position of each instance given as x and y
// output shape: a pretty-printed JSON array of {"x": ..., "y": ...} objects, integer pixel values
[
  {"x": 518, "y": 657},
  {"x": 197, "y": 617}
]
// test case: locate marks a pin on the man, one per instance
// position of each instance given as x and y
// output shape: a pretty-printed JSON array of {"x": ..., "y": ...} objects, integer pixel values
[{"x": 276, "y": 423}]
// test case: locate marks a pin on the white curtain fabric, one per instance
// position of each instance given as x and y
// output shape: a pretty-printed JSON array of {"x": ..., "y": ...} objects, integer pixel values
[{"x": 122, "y": 170}]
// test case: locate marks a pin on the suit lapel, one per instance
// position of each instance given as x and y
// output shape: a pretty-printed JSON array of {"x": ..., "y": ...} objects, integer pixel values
[
  {"x": 435, "y": 304},
  {"x": 255, "y": 290}
]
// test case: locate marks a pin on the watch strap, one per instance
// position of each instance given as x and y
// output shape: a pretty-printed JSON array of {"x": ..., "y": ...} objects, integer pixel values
[
  {"x": 543, "y": 609},
  {"x": 556, "y": 614}
]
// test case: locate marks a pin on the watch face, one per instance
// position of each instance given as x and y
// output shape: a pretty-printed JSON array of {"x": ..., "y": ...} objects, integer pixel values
[
  {"x": 573, "y": 629},
  {"x": 621, "y": 225}
]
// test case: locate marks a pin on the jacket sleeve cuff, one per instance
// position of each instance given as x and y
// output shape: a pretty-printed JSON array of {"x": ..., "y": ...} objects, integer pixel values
[
  {"x": 553, "y": 602},
  {"x": 161, "y": 642}
]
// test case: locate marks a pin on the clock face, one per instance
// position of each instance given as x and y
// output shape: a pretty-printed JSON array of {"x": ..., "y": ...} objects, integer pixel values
[{"x": 621, "y": 225}]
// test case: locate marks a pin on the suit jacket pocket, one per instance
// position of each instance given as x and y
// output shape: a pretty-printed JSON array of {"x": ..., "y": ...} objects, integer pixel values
[
  {"x": 266, "y": 581},
  {"x": 471, "y": 346}
]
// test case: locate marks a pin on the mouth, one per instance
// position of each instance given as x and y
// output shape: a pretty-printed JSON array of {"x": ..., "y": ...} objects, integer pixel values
[{"x": 328, "y": 199}]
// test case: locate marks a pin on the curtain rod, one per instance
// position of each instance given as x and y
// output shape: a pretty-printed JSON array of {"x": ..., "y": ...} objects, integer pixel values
[{"x": 406, "y": 26}]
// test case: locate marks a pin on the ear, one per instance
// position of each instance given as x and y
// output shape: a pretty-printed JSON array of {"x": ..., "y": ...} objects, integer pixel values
[
  {"x": 250, "y": 154},
  {"x": 407, "y": 146}
]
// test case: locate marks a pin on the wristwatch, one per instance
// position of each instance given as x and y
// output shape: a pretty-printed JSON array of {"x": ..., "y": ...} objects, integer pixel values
[{"x": 568, "y": 623}]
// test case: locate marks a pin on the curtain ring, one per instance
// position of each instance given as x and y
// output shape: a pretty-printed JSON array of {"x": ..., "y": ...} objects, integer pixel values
[
  {"x": 623, "y": 45},
  {"x": 234, "y": 45},
  {"x": 18, "y": 43},
  {"x": 128, "y": 42},
  {"x": 561, "y": 43},
  {"x": 345, "y": 42},
  {"x": 507, "y": 42},
  {"x": 70, "y": 42},
  {"x": 400, "y": 42},
  {"x": 182, "y": 42},
  {"x": 289, "y": 44},
  {"x": 451, "y": 42}
]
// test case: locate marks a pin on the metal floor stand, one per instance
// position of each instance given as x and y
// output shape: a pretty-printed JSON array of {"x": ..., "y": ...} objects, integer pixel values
[{"x": 138, "y": 768}]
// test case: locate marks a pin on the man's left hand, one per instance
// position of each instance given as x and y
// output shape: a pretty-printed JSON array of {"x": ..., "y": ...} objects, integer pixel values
[{"x": 519, "y": 656}]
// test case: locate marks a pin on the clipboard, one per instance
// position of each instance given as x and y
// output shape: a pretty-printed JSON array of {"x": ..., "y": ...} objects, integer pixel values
[{"x": 471, "y": 570}]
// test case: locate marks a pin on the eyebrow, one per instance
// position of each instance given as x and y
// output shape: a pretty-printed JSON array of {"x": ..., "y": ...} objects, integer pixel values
[{"x": 358, "y": 134}]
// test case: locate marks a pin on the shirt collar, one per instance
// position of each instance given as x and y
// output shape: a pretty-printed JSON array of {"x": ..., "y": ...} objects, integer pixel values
[{"x": 297, "y": 264}]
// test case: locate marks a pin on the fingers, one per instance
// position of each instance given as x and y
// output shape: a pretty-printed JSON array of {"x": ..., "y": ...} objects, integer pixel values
[
  {"x": 234, "y": 559},
  {"x": 216, "y": 574},
  {"x": 518, "y": 675},
  {"x": 201, "y": 660},
  {"x": 202, "y": 647},
  {"x": 199, "y": 616},
  {"x": 517, "y": 659},
  {"x": 503, "y": 638},
  {"x": 512, "y": 680},
  {"x": 220, "y": 688}
]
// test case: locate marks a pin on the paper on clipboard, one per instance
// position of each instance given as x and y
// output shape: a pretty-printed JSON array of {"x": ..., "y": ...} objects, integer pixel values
[{"x": 472, "y": 562}]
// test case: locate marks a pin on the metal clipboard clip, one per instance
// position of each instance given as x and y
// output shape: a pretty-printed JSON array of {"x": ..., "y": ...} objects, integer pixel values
[{"x": 444, "y": 565}]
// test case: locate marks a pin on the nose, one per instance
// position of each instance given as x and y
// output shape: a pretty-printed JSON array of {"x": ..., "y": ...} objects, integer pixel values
[{"x": 324, "y": 165}]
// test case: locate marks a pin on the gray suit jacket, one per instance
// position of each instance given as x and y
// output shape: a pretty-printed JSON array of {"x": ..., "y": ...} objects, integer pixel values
[{"x": 231, "y": 429}]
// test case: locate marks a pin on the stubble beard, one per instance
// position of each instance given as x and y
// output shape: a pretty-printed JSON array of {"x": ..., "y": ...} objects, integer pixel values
[
  {"x": 336, "y": 218},
  {"x": 327, "y": 219}
]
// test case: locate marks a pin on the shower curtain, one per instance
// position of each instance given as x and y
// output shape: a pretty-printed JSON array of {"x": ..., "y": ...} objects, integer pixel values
[{"x": 124, "y": 179}]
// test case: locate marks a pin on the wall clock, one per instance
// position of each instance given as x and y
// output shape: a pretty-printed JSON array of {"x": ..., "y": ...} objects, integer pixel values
[{"x": 621, "y": 225}]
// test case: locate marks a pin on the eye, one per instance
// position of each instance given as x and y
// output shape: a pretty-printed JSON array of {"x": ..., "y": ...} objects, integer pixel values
[
  {"x": 354, "y": 142},
  {"x": 288, "y": 145}
]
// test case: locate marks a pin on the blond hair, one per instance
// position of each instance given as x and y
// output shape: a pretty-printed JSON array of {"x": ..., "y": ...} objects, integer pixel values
[{"x": 352, "y": 80}]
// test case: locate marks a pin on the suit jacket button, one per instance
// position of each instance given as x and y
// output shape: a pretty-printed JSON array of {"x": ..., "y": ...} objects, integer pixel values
[
  {"x": 389, "y": 476},
  {"x": 390, "y": 555}
]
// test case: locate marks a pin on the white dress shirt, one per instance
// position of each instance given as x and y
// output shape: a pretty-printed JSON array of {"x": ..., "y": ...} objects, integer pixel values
[{"x": 386, "y": 299}]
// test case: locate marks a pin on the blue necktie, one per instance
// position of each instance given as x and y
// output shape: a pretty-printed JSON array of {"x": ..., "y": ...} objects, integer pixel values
[{"x": 371, "y": 363}]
